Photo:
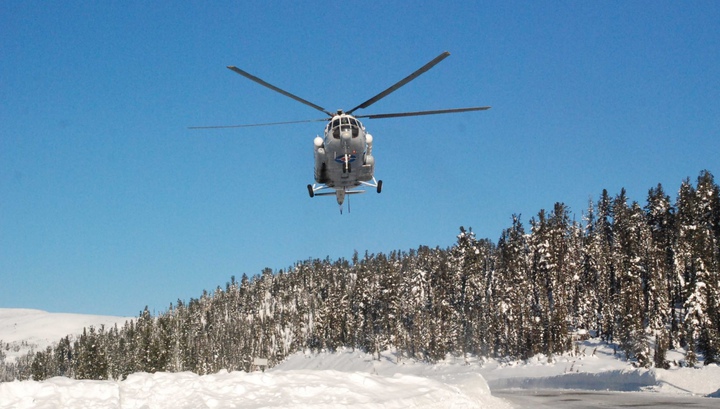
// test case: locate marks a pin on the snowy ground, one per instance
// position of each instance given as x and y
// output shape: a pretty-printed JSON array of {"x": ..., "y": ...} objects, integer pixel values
[{"x": 347, "y": 378}]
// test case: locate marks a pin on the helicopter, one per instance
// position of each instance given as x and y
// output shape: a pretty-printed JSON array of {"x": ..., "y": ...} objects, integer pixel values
[{"x": 344, "y": 161}]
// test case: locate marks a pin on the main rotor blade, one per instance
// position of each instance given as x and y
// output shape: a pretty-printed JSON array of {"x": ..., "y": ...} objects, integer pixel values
[
  {"x": 402, "y": 82},
  {"x": 249, "y": 125},
  {"x": 419, "y": 113},
  {"x": 274, "y": 88}
]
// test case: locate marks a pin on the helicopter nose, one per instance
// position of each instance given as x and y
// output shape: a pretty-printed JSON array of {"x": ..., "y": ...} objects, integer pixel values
[{"x": 346, "y": 136}]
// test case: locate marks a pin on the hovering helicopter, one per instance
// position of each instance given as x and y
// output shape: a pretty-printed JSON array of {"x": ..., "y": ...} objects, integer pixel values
[{"x": 344, "y": 163}]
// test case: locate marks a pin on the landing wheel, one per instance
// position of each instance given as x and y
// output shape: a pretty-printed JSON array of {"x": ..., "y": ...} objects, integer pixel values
[
  {"x": 379, "y": 186},
  {"x": 311, "y": 191}
]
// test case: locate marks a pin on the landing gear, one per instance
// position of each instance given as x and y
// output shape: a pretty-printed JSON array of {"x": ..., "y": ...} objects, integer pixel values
[
  {"x": 379, "y": 186},
  {"x": 311, "y": 191}
]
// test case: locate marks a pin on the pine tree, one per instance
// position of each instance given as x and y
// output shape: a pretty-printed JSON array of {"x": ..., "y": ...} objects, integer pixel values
[
  {"x": 631, "y": 240},
  {"x": 691, "y": 267},
  {"x": 419, "y": 307},
  {"x": 663, "y": 287},
  {"x": 552, "y": 272},
  {"x": 91, "y": 360},
  {"x": 703, "y": 303},
  {"x": 513, "y": 269},
  {"x": 42, "y": 365},
  {"x": 588, "y": 285},
  {"x": 600, "y": 262}
]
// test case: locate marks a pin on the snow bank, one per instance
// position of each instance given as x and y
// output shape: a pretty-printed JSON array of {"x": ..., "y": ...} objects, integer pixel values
[
  {"x": 622, "y": 381},
  {"x": 59, "y": 393},
  {"x": 703, "y": 381},
  {"x": 451, "y": 383},
  {"x": 598, "y": 367},
  {"x": 275, "y": 388}
]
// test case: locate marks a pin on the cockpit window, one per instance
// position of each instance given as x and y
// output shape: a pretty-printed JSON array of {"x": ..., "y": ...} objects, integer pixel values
[{"x": 344, "y": 124}]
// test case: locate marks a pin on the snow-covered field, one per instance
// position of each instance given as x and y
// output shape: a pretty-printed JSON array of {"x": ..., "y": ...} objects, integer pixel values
[{"x": 345, "y": 378}]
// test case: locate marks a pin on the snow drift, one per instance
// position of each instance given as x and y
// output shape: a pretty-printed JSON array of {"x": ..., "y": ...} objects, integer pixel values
[{"x": 304, "y": 381}]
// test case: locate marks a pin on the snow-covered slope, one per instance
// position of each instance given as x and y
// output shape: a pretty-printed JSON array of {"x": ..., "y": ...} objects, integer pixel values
[
  {"x": 23, "y": 329},
  {"x": 350, "y": 378}
]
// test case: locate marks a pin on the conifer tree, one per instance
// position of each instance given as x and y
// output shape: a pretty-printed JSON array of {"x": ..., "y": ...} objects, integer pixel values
[
  {"x": 513, "y": 270},
  {"x": 630, "y": 240},
  {"x": 599, "y": 261},
  {"x": 663, "y": 286},
  {"x": 698, "y": 243}
]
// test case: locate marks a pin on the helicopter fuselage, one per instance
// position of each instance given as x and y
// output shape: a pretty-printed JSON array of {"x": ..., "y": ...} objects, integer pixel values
[{"x": 343, "y": 158}]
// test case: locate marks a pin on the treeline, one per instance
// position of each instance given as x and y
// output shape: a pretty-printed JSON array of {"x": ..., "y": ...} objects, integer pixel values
[{"x": 643, "y": 277}]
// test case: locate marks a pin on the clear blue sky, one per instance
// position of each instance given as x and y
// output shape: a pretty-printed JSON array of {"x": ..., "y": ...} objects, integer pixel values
[{"x": 109, "y": 203}]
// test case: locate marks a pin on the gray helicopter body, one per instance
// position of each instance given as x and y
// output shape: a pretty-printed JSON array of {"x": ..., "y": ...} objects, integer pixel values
[{"x": 343, "y": 159}]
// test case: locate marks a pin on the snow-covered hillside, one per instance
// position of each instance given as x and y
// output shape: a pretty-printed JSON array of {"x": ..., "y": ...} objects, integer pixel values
[
  {"x": 344, "y": 378},
  {"x": 25, "y": 329}
]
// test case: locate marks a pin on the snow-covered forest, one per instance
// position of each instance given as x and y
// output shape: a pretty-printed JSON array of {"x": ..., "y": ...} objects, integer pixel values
[{"x": 644, "y": 277}]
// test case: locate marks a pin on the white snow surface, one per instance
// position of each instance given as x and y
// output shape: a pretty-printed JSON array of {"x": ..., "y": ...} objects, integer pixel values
[{"x": 345, "y": 378}]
